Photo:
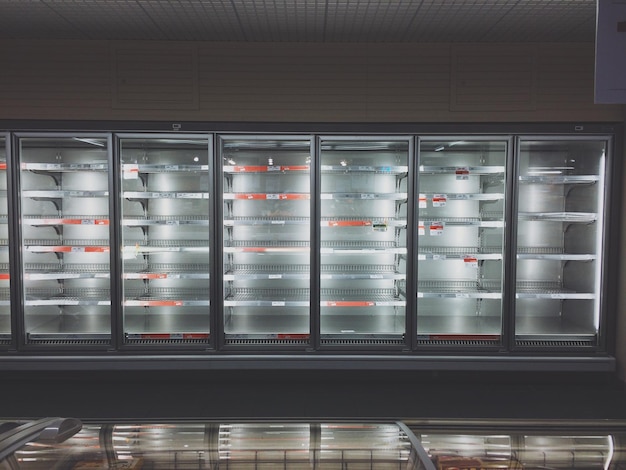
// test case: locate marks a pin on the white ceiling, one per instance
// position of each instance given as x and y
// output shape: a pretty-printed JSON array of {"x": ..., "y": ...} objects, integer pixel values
[{"x": 301, "y": 20}]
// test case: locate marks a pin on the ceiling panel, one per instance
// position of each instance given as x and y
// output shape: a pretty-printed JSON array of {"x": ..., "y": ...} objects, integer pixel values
[{"x": 301, "y": 20}]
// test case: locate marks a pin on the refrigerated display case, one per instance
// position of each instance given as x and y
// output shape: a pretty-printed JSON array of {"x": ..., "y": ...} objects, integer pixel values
[
  {"x": 560, "y": 241},
  {"x": 523, "y": 446},
  {"x": 210, "y": 445},
  {"x": 5, "y": 302},
  {"x": 462, "y": 194},
  {"x": 266, "y": 211},
  {"x": 364, "y": 185},
  {"x": 411, "y": 249},
  {"x": 166, "y": 237},
  {"x": 64, "y": 183}
]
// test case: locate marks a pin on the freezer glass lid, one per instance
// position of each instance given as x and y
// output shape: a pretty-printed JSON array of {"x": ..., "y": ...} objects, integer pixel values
[
  {"x": 65, "y": 443},
  {"x": 209, "y": 445}
]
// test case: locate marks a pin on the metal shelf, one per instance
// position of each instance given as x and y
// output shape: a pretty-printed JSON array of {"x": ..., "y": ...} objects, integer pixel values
[
  {"x": 459, "y": 253},
  {"x": 166, "y": 297},
  {"x": 548, "y": 290},
  {"x": 81, "y": 297},
  {"x": 133, "y": 248},
  {"x": 165, "y": 220},
  {"x": 443, "y": 198},
  {"x": 64, "y": 167},
  {"x": 580, "y": 217},
  {"x": 68, "y": 246},
  {"x": 5, "y": 296},
  {"x": 266, "y": 196},
  {"x": 562, "y": 179},
  {"x": 166, "y": 271},
  {"x": 248, "y": 297},
  {"x": 278, "y": 220},
  {"x": 165, "y": 195},
  {"x": 377, "y": 224},
  {"x": 265, "y": 168},
  {"x": 465, "y": 222},
  {"x": 389, "y": 170},
  {"x": 62, "y": 194},
  {"x": 267, "y": 246},
  {"x": 43, "y": 220},
  {"x": 554, "y": 254},
  {"x": 134, "y": 168},
  {"x": 462, "y": 170},
  {"x": 459, "y": 289},
  {"x": 361, "y": 247},
  {"x": 364, "y": 196}
]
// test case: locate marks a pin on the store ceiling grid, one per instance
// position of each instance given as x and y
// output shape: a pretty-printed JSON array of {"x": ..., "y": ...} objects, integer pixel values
[{"x": 301, "y": 20}]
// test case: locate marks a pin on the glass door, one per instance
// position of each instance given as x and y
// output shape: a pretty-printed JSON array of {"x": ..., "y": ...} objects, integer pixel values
[
  {"x": 5, "y": 302},
  {"x": 65, "y": 238},
  {"x": 266, "y": 239},
  {"x": 166, "y": 234},
  {"x": 461, "y": 211},
  {"x": 364, "y": 196},
  {"x": 560, "y": 199}
]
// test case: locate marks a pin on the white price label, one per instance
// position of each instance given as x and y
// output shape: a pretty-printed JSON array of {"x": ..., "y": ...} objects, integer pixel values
[
  {"x": 272, "y": 196},
  {"x": 278, "y": 304},
  {"x": 130, "y": 172},
  {"x": 435, "y": 229},
  {"x": 462, "y": 173},
  {"x": 275, "y": 276},
  {"x": 423, "y": 202},
  {"x": 439, "y": 200},
  {"x": 421, "y": 228}
]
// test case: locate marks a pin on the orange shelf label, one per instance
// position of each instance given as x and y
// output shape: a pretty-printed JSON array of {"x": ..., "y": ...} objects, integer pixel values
[
  {"x": 349, "y": 223},
  {"x": 82, "y": 221},
  {"x": 145, "y": 276},
  {"x": 74, "y": 249}
]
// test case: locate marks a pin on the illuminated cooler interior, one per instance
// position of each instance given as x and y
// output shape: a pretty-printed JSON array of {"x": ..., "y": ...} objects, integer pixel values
[
  {"x": 559, "y": 241},
  {"x": 363, "y": 271},
  {"x": 460, "y": 239},
  {"x": 5, "y": 303},
  {"x": 65, "y": 238},
  {"x": 266, "y": 239},
  {"x": 165, "y": 194}
]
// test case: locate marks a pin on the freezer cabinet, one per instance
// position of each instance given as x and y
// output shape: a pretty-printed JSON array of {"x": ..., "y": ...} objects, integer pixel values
[
  {"x": 364, "y": 185},
  {"x": 64, "y": 183},
  {"x": 460, "y": 238},
  {"x": 523, "y": 447},
  {"x": 266, "y": 211},
  {"x": 166, "y": 227},
  {"x": 560, "y": 242},
  {"x": 210, "y": 445},
  {"x": 5, "y": 302}
]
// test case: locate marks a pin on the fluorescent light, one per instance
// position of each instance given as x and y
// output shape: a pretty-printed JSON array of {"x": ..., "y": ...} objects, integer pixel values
[{"x": 95, "y": 142}]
